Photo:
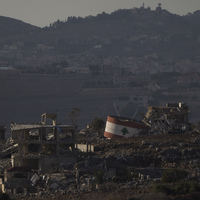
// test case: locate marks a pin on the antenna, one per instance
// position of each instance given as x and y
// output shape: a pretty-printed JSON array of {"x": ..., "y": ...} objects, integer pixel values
[{"x": 116, "y": 109}]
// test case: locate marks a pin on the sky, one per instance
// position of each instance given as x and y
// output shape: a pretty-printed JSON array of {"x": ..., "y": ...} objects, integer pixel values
[{"x": 43, "y": 12}]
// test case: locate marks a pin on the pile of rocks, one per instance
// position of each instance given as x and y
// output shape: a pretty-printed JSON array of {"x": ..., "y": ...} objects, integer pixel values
[{"x": 144, "y": 156}]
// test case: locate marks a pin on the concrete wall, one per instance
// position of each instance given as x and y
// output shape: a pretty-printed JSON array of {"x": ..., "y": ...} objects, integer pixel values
[{"x": 85, "y": 147}]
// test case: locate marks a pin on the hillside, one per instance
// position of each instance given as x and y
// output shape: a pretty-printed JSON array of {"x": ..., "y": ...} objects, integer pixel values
[
  {"x": 133, "y": 32},
  {"x": 12, "y": 27},
  {"x": 128, "y": 32}
]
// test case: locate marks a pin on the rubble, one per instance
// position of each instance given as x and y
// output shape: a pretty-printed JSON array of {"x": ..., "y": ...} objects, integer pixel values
[
  {"x": 126, "y": 166},
  {"x": 171, "y": 118}
]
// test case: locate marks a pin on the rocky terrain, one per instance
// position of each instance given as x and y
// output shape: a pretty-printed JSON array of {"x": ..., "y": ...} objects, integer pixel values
[{"x": 125, "y": 169}]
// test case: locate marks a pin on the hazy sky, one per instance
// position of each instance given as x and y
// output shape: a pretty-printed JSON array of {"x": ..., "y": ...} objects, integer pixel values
[{"x": 43, "y": 12}]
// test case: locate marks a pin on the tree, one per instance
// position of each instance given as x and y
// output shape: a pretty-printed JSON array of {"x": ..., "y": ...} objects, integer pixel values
[
  {"x": 174, "y": 175},
  {"x": 74, "y": 115},
  {"x": 97, "y": 124}
]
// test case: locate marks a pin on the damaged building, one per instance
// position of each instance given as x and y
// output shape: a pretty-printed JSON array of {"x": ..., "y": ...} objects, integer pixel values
[
  {"x": 17, "y": 180},
  {"x": 41, "y": 146},
  {"x": 171, "y": 118}
]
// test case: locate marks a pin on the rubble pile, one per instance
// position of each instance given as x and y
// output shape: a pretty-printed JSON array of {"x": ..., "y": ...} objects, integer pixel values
[
  {"x": 5, "y": 163},
  {"x": 145, "y": 156},
  {"x": 128, "y": 167},
  {"x": 159, "y": 151},
  {"x": 171, "y": 118}
]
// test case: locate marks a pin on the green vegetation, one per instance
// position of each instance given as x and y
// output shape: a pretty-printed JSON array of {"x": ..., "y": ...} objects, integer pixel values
[
  {"x": 174, "y": 175},
  {"x": 97, "y": 124},
  {"x": 183, "y": 187},
  {"x": 123, "y": 175},
  {"x": 173, "y": 183},
  {"x": 99, "y": 176},
  {"x": 74, "y": 115},
  {"x": 187, "y": 187},
  {"x": 162, "y": 188}
]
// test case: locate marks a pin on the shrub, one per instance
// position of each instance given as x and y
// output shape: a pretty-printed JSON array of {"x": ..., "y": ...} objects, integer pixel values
[
  {"x": 173, "y": 175},
  {"x": 182, "y": 188},
  {"x": 187, "y": 187},
  {"x": 194, "y": 186},
  {"x": 99, "y": 176},
  {"x": 162, "y": 188},
  {"x": 123, "y": 175},
  {"x": 97, "y": 123}
]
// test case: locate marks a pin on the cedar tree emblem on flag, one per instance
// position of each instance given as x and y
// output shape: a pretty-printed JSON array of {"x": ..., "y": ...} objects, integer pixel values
[{"x": 125, "y": 131}]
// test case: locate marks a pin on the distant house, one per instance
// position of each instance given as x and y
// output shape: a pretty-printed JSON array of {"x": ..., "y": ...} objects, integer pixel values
[
  {"x": 153, "y": 86},
  {"x": 43, "y": 47},
  {"x": 97, "y": 46},
  {"x": 189, "y": 79},
  {"x": 76, "y": 70}
]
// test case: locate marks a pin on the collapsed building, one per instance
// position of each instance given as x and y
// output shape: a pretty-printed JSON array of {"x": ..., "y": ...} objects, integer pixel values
[
  {"x": 17, "y": 180},
  {"x": 41, "y": 146},
  {"x": 37, "y": 149},
  {"x": 171, "y": 118}
]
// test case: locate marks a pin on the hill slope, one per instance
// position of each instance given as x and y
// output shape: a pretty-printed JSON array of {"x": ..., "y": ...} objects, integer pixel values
[
  {"x": 133, "y": 32},
  {"x": 13, "y": 27}
]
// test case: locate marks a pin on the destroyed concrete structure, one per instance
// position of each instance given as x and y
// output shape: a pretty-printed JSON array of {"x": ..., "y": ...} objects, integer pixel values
[
  {"x": 171, "y": 118},
  {"x": 42, "y": 158},
  {"x": 17, "y": 181},
  {"x": 40, "y": 146}
]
